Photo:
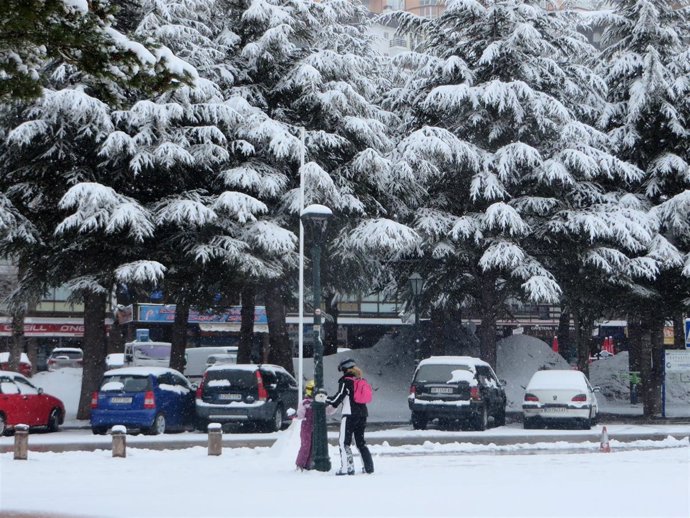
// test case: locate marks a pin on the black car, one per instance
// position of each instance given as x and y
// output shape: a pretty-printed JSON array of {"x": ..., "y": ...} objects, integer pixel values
[
  {"x": 456, "y": 389},
  {"x": 254, "y": 394}
]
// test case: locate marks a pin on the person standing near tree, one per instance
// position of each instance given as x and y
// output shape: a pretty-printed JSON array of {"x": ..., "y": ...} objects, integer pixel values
[
  {"x": 353, "y": 421},
  {"x": 305, "y": 412}
]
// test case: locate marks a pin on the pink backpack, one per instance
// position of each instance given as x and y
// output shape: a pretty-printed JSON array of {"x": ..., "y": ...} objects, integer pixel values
[{"x": 363, "y": 391}]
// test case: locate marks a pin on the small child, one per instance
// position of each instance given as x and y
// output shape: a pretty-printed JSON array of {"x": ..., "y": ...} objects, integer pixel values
[{"x": 305, "y": 412}]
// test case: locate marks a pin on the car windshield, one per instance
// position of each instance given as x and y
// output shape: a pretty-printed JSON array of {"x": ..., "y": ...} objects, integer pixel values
[
  {"x": 126, "y": 383},
  {"x": 441, "y": 373},
  {"x": 72, "y": 355},
  {"x": 154, "y": 352},
  {"x": 241, "y": 379}
]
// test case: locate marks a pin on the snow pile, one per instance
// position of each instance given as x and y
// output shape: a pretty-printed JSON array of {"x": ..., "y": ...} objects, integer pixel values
[{"x": 64, "y": 384}]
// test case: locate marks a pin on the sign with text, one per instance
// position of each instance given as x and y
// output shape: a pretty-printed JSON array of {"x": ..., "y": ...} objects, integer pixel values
[
  {"x": 37, "y": 330},
  {"x": 687, "y": 333},
  {"x": 677, "y": 361},
  {"x": 166, "y": 313}
]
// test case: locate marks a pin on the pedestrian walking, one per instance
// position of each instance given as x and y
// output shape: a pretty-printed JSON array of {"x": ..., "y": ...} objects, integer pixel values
[
  {"x": 305, "y": 413},
  {"x": 354, "y": 418}
]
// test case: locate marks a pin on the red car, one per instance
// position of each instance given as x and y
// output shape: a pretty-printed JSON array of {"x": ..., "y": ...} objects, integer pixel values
[
  {"x": 23, "y": 403},
  {"x": 24, "y": 363}
]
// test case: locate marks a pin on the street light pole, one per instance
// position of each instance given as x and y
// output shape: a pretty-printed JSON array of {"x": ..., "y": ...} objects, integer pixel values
[
  {"x": 416, "y": 283},
  {"x": 317, "y": 217}
]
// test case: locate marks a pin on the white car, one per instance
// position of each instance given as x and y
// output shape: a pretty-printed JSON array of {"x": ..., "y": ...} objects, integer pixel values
[
  {"x": 560, "y": 397},
  {"x": 64, "y": 357}
]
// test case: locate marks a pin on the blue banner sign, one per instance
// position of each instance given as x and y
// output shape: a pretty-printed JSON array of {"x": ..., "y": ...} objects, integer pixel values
[{"x": 166, "y": 313}]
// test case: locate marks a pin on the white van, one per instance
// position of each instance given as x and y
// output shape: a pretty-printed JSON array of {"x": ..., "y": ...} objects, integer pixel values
[
  {"x": 147, "y": 354},
  {"x": 196, "y": 359}
]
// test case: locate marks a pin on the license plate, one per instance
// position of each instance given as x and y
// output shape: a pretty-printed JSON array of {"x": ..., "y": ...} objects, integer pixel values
[
  {"x": 555, "y": 410},
  {"x": 121, "y": 400},
  {"x": 231, "y": 397},
  {"x": 441, "y": 390}
]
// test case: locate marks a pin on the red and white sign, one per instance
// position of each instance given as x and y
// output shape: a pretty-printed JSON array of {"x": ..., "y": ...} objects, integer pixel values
[{"x": 70, "y": 330}]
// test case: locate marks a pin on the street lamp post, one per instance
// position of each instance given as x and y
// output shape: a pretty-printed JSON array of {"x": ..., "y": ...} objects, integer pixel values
[
  {"x": 316, "y": 217},
  {"x": 416, "y": 283}
]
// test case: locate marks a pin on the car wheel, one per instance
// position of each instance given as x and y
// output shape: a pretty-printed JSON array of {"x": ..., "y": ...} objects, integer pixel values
[
  {"x": 276, "y": 423},
  {"x": 481, "y": 420},
  {"x": 500, "y": 417},
  {"x": 418, "y": 421},
  {"x": 99, "y": 430},
  {"x": 201, "y": 424},
  {"x": 3, "y": 425},
  {"x": 54, "y": 420},
  {"x": 158, "y": 426}
]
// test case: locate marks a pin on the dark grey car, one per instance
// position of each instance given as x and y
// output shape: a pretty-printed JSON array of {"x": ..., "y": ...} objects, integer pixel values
[
  {"x": 456, "y": 389},
  {"x": 257, "y": 394}
]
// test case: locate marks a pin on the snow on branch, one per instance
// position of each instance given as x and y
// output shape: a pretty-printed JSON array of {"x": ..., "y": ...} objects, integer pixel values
[
  {"x": 383, "y": 237},
  {"x": 505, "y": 218},
  {"x": 140, "y": 272},
  {"x": 502, "y": 255},
  {"x": 186, "y": 212},
  {"x": 101, "y": 209},
  {"x": 239, "y": 205}
]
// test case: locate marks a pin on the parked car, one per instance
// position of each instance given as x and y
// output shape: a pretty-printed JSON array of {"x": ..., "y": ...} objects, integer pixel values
[
  {"x": 196, "y": 359},
  {"x": 21, "y": 402},
  {"x": 62, "y": 357},
  {"x": 236, "y": 393},
  {"x": 560, "y": 397},
  {"x": 153, "y": 400},
  {"x": 456, "y": 389},
  {"x": 24, "y": 363}
]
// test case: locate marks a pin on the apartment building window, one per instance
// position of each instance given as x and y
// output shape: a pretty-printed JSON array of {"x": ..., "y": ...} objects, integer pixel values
[{"x": 428, "y": 8}]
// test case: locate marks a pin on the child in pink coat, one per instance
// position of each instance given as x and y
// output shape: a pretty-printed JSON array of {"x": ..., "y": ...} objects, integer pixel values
[{"x": 305, "y": 412}]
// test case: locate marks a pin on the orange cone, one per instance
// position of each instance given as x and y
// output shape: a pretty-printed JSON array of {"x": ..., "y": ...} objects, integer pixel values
[{"x": 604, "y": 446}]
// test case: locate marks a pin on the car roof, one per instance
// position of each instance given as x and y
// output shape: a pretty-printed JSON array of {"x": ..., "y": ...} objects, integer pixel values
[
  {"x": 556, "y": 379},
  {"x": 453, "y": 360},
  {"x": 251, "y": 367},
  {"x": 68, "y": 349},
  {"x": 5, "y": 357},
  {"x": 12, "y": 374},
  {"x": 141, "y": 371}
]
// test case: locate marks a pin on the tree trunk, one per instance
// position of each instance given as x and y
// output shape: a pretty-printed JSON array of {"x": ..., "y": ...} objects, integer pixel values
[
  {"x": 32, "y": 353},
  {"x": 636, "y": 333},
  {"x": 652, "y": 369},
  {"x": 583, "y": 333},
  {"x": 679, "y": 331},
  {"x": 437, "y": 318},
  {"x": 564, "y": 345},
  {"x": 280, "y": 351},
  {"x": 17, "y": 343},
  {"x": 487, "y": 327},
  {"x": 244, "y": 351},
  {"x": 330, "y": 327},
  {"x": 179, "y": 336},
  {"x": 94, "y": 346}
]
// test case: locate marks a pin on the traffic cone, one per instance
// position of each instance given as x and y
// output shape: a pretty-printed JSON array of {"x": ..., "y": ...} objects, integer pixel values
[{"x": 604, "y": 446}]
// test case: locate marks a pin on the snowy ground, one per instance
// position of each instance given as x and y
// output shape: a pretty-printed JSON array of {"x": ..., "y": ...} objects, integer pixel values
[
  {"x": 635, "y": 480},
  {"x": 454, "y": 478}
]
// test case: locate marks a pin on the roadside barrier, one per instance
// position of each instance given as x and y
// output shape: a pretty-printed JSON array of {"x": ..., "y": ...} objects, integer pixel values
[
  {"x": 21, "y": 442},
  {"x": 215, "y": 439},
  {"x": 604, "y": 446},
  {"x": 119, "y": 434}
]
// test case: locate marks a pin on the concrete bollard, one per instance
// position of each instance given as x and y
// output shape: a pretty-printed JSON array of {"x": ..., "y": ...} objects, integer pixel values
[
  {"x": 119, "y": 434},
  {"x": 215, "y": 439},
  {"x": 21, "y": 442}
]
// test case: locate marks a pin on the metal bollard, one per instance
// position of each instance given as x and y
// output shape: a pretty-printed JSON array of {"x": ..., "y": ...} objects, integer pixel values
[
  {"x": 119, "y": 434},
  {"x": 21, "y": 442},
  {"x": 215, "y": 439}
]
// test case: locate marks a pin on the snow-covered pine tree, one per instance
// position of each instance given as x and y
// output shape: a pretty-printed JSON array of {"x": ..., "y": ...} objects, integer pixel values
[
  {"x": 78, "y": 32},
  {"x": 646, "y": 64},
  {"x": 499, "y": 153}
]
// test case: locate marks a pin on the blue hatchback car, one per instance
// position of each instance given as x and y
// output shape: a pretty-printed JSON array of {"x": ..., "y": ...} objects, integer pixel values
[{"x": 151, "y": 399}]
